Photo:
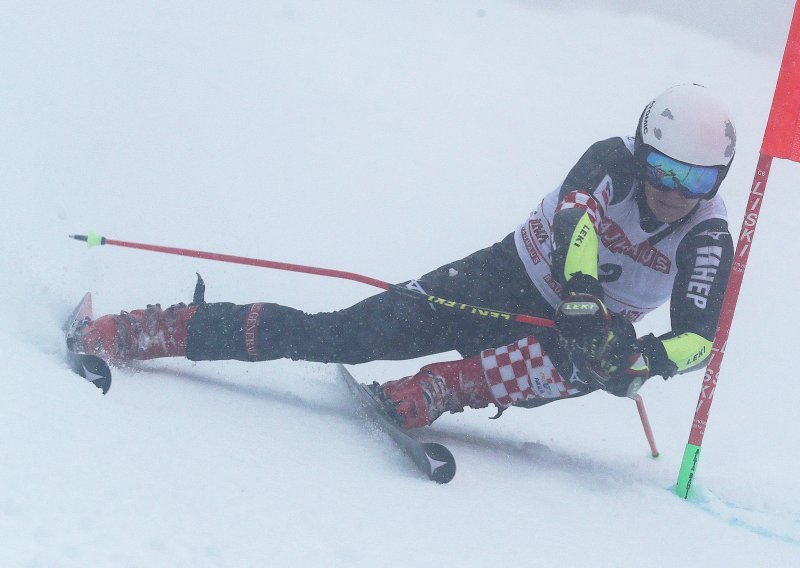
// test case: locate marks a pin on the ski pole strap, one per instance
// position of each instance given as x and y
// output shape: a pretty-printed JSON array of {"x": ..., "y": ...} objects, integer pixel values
[{"x": 93, "y": 239}]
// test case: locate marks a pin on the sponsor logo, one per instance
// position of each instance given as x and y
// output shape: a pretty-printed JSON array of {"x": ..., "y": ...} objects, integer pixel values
[
  {"x": 472, "y": 309},
  {"x": 538, "y": 230},
  {"x": 576, "y": 378},
  {"x": 551, "y": 282},
  {"x": 605, "y": 193},
  {"x": 631, "y": 315},
  {"x": 251, "y": 328},
  {"x": 706, "y": 396},
  {"x": 581, "y": 236},
  {"x": 530, "y": 247},
  {"x": 89, "y": 376},
  {"x": 580, "y": 308},
  {"x": 646, "y": 117},
  {"x": 416, "y": 287},
  {"x": 697, "y": 357},
  {"x": 616, "y": 241},
  {"x": 713, "y": 234},
  {"x": 539, "y": 387},
  {"x": 545, "y": 382},
  {"x": 750, "y": 220},
  {"x": 706, "y": 264}
]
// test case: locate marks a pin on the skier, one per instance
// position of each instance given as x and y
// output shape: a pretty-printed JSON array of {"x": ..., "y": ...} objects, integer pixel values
[{"x": 636, "y": 221}]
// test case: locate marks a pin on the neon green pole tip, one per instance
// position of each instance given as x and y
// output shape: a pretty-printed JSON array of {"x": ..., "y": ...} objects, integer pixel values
[
  {"x": 691, "y": 455},
  {"x": 93, "y": 240}
]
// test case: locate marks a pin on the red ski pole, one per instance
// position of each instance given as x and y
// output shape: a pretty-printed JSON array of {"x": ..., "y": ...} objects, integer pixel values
[
  {"x": 648, "y": 432},
  {"x": 781, "y": 140},
  {"x": 93, "y": 239}
]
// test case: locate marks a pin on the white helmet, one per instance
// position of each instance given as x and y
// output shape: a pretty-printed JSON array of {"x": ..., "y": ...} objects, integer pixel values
[{"x": 689, "y": 124}]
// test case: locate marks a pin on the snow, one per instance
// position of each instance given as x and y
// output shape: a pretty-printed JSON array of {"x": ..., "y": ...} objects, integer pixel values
[{"x": 385, "y": 138}]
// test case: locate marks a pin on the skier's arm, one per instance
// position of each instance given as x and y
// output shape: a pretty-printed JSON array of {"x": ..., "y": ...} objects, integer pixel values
[
  {"x": 600, "y": 177},
  {"x": 576, "y": 246},
  {"x": 704, "y": 261}
]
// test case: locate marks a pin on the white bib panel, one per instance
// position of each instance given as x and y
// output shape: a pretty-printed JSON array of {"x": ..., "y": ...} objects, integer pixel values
[{"x": 637, "y": 277}]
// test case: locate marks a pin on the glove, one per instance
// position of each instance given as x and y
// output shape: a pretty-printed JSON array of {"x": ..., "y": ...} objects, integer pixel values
[
  {"x": 628, "y": 379},
  {"x": 656, "y": 354},
  {"x": 601, "y": 344},
  {"x": 584, "y": 326}
]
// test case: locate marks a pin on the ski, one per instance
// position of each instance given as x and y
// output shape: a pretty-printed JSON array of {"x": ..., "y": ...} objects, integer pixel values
[
  {"x": 90, "y": 367},
  {"x": 434, "y": 460}
]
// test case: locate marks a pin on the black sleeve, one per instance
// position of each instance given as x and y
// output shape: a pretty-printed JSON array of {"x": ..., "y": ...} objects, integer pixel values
[
  {"x": 605, "y": 158},
  {"x": 704, "y": 259},
  {"x": 608, "y": 159}
]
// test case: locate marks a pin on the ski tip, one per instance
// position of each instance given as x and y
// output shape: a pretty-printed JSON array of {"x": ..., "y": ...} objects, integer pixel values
[
  {"x": 442, "y": 462},
  {"x": 93, "y": 369}
]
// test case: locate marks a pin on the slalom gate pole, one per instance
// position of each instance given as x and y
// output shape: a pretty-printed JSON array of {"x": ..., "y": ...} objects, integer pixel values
[
  {"x": 93, "y": 239},
  {"x": 781, "y": 140},
  {"x": 691, "y": 454}
]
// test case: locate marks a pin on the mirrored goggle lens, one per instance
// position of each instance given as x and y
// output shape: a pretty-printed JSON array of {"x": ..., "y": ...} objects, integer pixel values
[{"x": 664, "y": 172}]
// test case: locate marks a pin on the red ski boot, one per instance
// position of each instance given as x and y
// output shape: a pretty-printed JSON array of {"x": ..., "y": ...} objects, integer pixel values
[
  {"x": 140, "y": 334},
  {"x": 436, "y": 389}
]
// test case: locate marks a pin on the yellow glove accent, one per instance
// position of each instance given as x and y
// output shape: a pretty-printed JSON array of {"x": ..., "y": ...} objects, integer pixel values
[
  {"x": 687, "y": 350},
  {"x": 582, "y": 251}
]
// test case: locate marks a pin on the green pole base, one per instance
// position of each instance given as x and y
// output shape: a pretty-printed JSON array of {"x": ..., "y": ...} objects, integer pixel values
[{"x": 691, "y": 455}]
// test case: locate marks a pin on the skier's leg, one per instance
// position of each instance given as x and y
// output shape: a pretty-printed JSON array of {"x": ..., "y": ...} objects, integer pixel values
[
  {"x": 520, "y": 373},
  {"x": 385, "y": 326}
]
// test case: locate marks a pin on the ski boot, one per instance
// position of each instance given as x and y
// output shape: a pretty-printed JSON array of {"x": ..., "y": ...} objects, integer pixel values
[
  {"x": 438, "y": 388},
  {"x": 135, "y": 335}
]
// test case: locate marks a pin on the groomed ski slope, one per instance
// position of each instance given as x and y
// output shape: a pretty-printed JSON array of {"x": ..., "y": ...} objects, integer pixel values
[{"x": 383, "y": 138}]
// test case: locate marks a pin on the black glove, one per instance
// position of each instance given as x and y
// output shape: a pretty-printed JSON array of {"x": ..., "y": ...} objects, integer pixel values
[
  {"x": 601, "y": 344},
  {"x": 655, "y": 352},
  {"x": 580, "y": 283},
  {"x": 626, "y": 380},
  {"x": 584, "y": 325}
]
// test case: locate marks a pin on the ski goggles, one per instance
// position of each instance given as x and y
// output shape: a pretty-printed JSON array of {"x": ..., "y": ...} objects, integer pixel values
[{"x": 668, "y": 174}]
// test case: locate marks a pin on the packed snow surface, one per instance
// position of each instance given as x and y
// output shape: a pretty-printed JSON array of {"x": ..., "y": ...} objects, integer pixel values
[{"x": 384, "y": 138}]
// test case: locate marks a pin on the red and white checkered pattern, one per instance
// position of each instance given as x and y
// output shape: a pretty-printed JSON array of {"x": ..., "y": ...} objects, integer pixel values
[
  {"x": 522, "y": 371},
  {"x": 581, "y": 200}
]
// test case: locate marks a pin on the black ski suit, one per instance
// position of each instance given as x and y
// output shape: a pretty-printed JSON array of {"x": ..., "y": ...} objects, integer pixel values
[{"x": 393, "y": 326}]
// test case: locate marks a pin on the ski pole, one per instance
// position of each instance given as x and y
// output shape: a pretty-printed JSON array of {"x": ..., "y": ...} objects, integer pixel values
[
  {"x": 648, "y": 432},
  {"x": 93, "y": 239}
]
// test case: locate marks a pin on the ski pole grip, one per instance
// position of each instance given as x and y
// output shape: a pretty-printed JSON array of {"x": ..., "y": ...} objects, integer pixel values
[{"x": 91, "y": 240}]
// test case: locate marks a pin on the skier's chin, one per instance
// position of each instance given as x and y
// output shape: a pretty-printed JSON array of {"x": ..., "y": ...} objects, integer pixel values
[{"x": 668, "y": 206}]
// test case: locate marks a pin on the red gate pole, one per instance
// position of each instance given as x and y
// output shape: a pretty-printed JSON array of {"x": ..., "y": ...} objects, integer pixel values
[{"x": 781, "y": 140}]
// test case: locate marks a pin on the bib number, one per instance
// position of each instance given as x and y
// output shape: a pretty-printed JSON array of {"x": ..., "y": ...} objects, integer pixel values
[{"x": 609, "y": 272}]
